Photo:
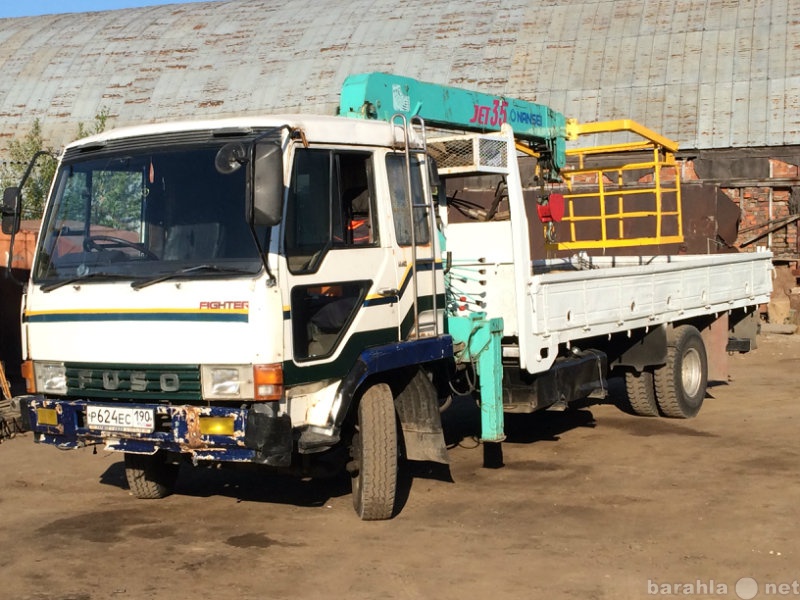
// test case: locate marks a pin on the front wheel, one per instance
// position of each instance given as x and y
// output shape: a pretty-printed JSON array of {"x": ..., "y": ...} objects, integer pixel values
[
  {"x": 150, "y": 476},
  {"x": 681, "y": 383},
  {"x": 374, "y": 451}
]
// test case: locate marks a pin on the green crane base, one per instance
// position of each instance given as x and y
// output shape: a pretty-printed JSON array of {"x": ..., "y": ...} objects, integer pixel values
[{"x": 476, "y": 340}]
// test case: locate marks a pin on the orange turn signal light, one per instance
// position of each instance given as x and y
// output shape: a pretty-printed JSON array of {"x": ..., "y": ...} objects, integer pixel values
[
  {"x": 27, "y": 373},
  {"x": 268, "y": 380}
]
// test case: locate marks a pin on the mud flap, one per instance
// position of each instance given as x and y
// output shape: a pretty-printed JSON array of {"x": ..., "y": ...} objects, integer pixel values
[
  {"x": 270, "y": 435},
  {"x": 418, "y": 410}
]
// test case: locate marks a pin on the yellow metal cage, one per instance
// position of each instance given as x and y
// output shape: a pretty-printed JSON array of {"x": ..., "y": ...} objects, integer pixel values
[{"x": 619, "y": 195}]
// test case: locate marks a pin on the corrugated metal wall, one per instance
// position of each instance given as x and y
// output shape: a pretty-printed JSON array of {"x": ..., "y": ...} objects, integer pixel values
[{"x": 708, "y": 73}]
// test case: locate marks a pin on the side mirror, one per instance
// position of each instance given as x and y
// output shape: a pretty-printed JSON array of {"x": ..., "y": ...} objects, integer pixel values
[
  {"x": 267, "y": 208},
  {"x": 10, "y": 210}
]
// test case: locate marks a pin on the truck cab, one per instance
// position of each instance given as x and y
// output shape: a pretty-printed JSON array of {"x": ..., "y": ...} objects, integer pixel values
[{"x": 228, "y": 291}]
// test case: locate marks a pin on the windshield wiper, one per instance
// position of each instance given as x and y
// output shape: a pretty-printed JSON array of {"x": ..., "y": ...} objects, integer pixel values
[
  {"x": 49, "y": 287},
  {"x": 205, "y": 268}
]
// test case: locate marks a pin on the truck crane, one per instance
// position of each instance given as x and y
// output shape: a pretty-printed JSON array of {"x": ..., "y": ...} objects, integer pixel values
[{"x": 295, "y": 290}]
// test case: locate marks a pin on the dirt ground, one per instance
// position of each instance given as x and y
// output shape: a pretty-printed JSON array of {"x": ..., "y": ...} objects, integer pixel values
[{"x": 591, "y": 503}]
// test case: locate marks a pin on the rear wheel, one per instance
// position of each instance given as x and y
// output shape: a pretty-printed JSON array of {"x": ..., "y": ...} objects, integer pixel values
[
  {"x": 374, "y": 451},
  {"x": 150, "y": 476},
  {"x": 641, "y": 393},
  {"x": 681, "y": 383}
]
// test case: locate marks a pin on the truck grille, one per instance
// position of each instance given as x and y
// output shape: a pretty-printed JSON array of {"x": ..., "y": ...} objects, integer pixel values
[{"x": 134, "y": 382}]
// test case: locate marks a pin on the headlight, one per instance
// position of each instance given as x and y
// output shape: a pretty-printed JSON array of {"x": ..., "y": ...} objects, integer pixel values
[
  {"x": 51, "y": 377},
  {"x": 227, "y": 382}
]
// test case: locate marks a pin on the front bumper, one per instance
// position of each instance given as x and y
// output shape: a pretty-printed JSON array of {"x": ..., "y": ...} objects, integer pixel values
[{"x": 258, "y": 435}]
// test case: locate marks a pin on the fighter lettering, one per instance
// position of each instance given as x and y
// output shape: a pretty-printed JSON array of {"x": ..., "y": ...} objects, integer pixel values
[{"x": 225, "y": 304}]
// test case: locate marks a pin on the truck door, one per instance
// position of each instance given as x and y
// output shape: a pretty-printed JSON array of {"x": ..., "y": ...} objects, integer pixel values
[
  {"x": 341, "y": 277},
  {"x": 414, "y": 246}
]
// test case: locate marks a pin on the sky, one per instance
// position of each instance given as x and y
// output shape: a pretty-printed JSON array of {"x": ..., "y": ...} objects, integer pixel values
[{"x": 27, "y": 8}]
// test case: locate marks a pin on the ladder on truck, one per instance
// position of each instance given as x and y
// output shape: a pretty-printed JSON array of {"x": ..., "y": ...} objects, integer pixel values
[{"x": 405, "y": 125}]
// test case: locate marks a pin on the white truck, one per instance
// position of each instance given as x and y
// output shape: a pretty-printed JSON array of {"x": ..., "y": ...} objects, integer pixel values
[{"x": 291, "y": 289}]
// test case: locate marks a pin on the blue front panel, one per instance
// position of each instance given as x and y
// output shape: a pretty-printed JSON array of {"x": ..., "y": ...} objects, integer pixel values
[{"x": 175, "y": 430}]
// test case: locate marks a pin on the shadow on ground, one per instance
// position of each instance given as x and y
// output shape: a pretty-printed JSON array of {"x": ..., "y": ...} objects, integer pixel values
[{"x": 462, "y": 427}]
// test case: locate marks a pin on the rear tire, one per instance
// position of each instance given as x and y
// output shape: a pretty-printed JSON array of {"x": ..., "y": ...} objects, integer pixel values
[
  {"x": 641, "y": 393},
  {"x": 374, "y": 450},
  {"x": 681, "y": 383},
  {"x": 150, "y": 476}
]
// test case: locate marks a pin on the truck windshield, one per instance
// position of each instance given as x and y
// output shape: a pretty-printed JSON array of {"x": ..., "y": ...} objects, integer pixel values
[{"x": 143, "y": 214}]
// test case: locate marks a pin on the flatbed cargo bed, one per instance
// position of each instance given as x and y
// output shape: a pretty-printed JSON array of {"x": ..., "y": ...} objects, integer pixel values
[{"x": 569, "y": 299}]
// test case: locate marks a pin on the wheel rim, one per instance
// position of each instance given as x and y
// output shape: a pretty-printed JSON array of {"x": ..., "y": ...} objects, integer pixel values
[{"x": 691, "y": 372}]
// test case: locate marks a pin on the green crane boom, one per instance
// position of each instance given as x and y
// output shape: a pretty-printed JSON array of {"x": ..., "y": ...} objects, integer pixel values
[{"x": 381, "y": 96}]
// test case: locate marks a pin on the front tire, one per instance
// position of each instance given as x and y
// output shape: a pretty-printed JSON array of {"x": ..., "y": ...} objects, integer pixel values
[
  {"x": 374, "y": 450},
  {"x": 150, "y": 476},
  {"x": 681, "y": 383}
]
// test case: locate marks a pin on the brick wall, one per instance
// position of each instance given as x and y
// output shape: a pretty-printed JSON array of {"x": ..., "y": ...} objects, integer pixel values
[{"x": 762, "y": 206}]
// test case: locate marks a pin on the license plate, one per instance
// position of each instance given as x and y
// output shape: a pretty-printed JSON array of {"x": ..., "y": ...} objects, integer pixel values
[{"x": 119, "y": 418}]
